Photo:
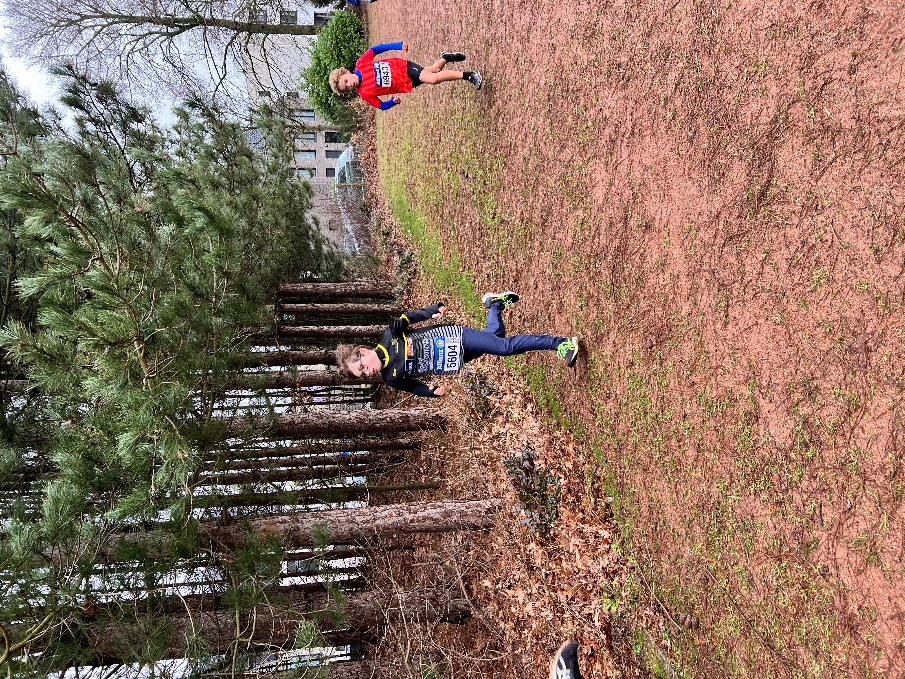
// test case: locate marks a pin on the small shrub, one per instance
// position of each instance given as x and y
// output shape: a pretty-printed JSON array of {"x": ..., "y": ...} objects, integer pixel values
[
  {"x": 338, "y": 45},
  {"x": 538, "y": 490}
]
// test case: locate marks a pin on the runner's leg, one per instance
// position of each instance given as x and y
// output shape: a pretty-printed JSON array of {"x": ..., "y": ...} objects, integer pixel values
[{"x": 495, "y": 325}]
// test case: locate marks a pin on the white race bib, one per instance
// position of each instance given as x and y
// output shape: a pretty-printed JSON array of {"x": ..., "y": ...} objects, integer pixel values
[
  {"x": 447, "y": 354},
  {"x": 383, "y": 77}
]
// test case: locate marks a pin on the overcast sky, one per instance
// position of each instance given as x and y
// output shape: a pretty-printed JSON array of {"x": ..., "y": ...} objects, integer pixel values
[
  {"x": 40, "y": 87},
  {"x": 33, "y": 81}
]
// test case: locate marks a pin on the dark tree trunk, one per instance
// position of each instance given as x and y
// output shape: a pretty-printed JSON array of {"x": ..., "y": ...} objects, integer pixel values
[
  {"x": 353, "y": 526},
  {"x": 304, "y": 497},
  {"x": 338, "y": 332},
  {"x": 270, "y": 359},
  {"x": 326, "y": 447},
  {"x": 15, "y": 386},
  {"x": 267, "y": 474},
  {"x": 314, "y": 463},
  {"x": 323, "y": 292},
  {"x": 302, "y": 597},
  {"x": 301, "y": 556},
  {"x": 297, "y": 379},
  {"x": 341, "y": 309},
  {"x": 339, "y": 423},
  {"x": 208, "y": 619},
  {"x": 364, "y": 669},
  {"x": 173, "y": 26}
]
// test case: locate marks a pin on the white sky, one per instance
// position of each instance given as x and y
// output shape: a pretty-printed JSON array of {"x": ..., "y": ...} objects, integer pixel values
[
  {"x": 40, "y": 87},
  {"x": 33, "y": 81}
]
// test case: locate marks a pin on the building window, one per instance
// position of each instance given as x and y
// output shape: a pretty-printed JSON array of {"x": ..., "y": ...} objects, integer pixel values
[
  {"x": 263, "y": 93},
  {"x": 306, "y": 154},
  {"x": 332, "y": 138},
  {"x": 289, "y": 17},
  {"x": 305, "y": 115},
  {"x": 331, "y": 171},
  {"x": 257, "y": 16},
  {"x": 322, "y": 18},
  {"x": 334, "y": 153},
  {"x": 305, "y": 172},
  {"x": 306, "y": 137},
  {"x": 292, "y": 95}
]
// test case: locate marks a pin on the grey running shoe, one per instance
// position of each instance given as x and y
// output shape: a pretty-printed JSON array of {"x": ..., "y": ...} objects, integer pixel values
[
  {"x": 475, "y": 78},
  {"x": 452, "y": 57},
  {"x": 568, "y": 351},
  {"x": 504, "y": 298},
  {"x": 565, "y": 662}
]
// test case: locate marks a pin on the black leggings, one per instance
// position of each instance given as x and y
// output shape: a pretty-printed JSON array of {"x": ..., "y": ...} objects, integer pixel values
[{"x": 414, "y": 73}]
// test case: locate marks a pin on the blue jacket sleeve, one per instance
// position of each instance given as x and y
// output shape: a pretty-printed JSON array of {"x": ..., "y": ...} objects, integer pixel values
[
  {"x": 386, "y": 47},
  {"x": 384, "y": 105}
]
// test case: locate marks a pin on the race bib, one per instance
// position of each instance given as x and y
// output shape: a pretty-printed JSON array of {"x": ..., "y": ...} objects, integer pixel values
[
  {"x": 447, "y": 354},
  {"x": 382, "y": 75}
]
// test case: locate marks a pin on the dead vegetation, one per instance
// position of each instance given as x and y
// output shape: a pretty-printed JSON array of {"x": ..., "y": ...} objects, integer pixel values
[{"x": 712, "y": 196}]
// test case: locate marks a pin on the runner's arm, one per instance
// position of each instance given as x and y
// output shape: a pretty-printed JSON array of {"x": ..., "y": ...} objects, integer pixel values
[
  {"x": 402, "y": 323},
  {"x": 415, "y": 387},
  {"x": 384, "y": 105},
  {"x": 385, "y": 47},
  {"x": 373, "y": 101}
]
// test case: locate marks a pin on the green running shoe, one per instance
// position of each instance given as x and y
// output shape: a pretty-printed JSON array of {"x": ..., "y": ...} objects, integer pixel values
[
  {"x": 505, "y": 298},
  {"x": 568, "y": 351}
]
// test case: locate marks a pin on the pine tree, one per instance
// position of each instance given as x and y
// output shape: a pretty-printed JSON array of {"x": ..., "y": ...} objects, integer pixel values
[{"x": 152, "y": 258}]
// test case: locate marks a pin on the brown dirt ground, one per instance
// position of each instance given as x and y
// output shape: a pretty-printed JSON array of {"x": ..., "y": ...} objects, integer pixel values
[{"x": 712, "y": 194}]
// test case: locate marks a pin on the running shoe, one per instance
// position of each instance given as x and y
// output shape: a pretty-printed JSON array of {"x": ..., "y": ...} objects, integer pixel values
[
  {"x": 568, "y": 351},
  {"x": 565, "y": 662},
  {"x": 452, "y": 57},
  {"x": 505, "y": 298},
  {"x": 475, "y": 78}
]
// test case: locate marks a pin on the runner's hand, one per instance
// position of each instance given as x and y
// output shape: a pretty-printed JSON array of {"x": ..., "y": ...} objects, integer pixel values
[
  {"x": 396, "y": 100},
  {"x": 405, "y": 47},
  {"x": 441, "y": 309},
  {"x": 439, "y": 391}
]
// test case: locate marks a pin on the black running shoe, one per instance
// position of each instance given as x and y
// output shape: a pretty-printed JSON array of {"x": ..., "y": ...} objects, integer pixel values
[
  {"x": 452, "y": 57},
  {"x": 565, "y": 662},
  {"x": 504, "y": 298},
  {"x": 475, "y": 78},
  {"x": 568, "y": 351}
]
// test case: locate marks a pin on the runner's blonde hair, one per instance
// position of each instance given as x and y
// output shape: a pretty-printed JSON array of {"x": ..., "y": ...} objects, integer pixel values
[{"x": 334, "y": 79}]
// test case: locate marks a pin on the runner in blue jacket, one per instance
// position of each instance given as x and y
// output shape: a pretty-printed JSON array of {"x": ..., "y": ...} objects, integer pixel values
[{"x": 403, "y": 355}]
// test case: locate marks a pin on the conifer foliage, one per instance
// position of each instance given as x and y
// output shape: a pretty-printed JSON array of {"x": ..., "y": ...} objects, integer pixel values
[{"x": 139, "y": 262}]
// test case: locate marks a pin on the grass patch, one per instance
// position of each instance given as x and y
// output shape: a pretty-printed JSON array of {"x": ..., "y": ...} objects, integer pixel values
[{"x": 438, "y": 260}]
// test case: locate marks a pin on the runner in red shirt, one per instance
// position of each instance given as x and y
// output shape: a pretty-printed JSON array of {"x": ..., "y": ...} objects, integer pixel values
[{"x": 393, "y": 76}]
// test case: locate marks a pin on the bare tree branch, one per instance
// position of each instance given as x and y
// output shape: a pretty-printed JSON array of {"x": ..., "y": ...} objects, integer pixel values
[{"x": 150, "y": 45}]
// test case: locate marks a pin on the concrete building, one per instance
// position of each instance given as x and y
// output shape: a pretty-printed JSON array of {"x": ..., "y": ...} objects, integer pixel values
[{"x": 272, "y": 66}]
